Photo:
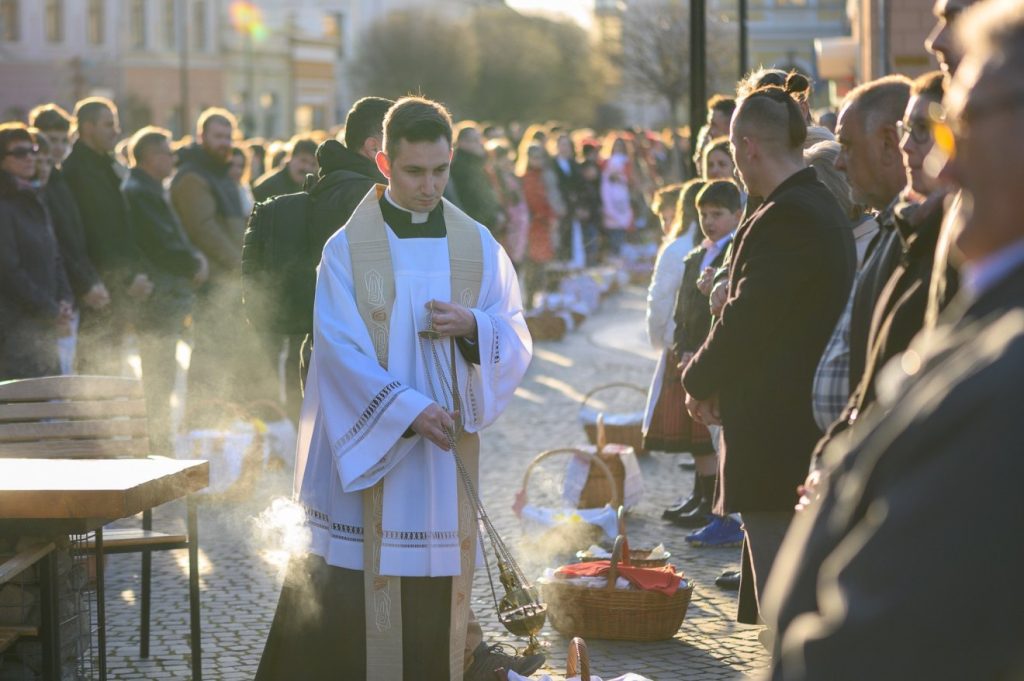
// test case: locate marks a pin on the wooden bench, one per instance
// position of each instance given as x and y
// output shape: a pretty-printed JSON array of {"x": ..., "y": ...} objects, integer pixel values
[
  {"x": 11, "y": 568},
  {"x": 96, "y": 417}
]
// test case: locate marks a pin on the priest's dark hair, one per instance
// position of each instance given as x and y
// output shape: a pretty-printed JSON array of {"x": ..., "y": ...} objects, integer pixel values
[
  {"x": 416, "y": 119},
  {"x": 364, "y": 120}
]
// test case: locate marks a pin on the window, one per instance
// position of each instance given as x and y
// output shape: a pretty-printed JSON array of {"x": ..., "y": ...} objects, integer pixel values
[
  {"x": 94, "y": 22},
  {"x": 54, "y": 17},
  {"x": 169, "y": 22},
  {"x": 137, "y": 24},
  {"x": 334, "y": 27},
  {"x": 10, "y": 21},
  {"x": 199, "y": 24}
]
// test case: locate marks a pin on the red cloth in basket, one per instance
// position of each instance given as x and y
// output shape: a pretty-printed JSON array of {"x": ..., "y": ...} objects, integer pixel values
[{"x": 664, "y": 579}]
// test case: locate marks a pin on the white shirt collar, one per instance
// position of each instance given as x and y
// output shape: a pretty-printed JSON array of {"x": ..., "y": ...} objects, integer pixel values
[{"x": 417, "y": 218}]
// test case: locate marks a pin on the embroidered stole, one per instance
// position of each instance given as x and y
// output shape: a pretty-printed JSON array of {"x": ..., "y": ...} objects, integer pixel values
[{"x": 374, "y": 280}]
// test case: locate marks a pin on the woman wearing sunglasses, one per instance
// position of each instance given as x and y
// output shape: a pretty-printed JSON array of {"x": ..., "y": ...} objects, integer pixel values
[{"x": 35, "y": 299}]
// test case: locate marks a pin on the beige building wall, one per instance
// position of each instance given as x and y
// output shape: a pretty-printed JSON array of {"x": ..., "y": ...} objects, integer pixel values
[{"x": 910, "y": 22}]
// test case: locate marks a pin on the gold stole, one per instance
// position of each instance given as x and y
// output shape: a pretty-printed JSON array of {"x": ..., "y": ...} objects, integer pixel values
[{"x": 374, "y": 281}]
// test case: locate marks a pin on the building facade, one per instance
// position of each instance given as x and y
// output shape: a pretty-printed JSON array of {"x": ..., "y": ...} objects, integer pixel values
[{"x": 781, "y": 34}]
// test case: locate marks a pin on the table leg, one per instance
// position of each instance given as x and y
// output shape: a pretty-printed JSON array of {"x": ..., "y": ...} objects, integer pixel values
[
  {"x": 193, "y": 589},
  {"x": 101, "y": 606},
  {"x": 49, "y": 623}
]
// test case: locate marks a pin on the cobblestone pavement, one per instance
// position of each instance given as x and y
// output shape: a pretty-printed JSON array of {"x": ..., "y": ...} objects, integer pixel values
[{"x": 240, "y": 571}]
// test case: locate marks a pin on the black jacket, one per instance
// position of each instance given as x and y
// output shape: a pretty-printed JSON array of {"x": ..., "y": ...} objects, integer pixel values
[
  {"x": 162, "y": 239},
  {"x": 275, "y": 183},
  {"x": 32, "y": 283},
  {"x": 899, "y": 526},
  {"x": 792, "y": 267},
  {"x": 880, "y": 262},
  {"x": 473, "y": 188},
  {"x": 692, "y": 312},
  {"x": 345, "y": 178},
  {"x": 568, "y": 183},
  {"x": 67, "y": 223},
  {"x": 109, "y": 241},
  {"x": 899, "y": 312}
]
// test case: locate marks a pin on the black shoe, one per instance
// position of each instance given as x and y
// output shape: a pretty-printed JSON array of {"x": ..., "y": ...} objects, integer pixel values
[
  {"x": 698, "y": 517},
  {"x": 687, "y": 506},
  {"x": 729, "y": 580},
  {"x": 487, "y": 659}
]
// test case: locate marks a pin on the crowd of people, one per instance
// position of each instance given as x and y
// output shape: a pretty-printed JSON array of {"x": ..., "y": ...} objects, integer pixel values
[
  {"x": 854, "y": 360},
  {"x": 836, "y": 299},
  {"x": 141, "y": 235}
]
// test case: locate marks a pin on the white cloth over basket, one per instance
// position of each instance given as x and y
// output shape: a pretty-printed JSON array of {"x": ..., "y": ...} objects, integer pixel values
[
  {"x": 605, "y": 518},
  {"x": 224, "y": 448},
  {"x": 578, "y": 470}
]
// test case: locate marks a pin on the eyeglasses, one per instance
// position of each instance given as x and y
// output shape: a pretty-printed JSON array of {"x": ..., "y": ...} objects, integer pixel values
[
  {"x": 918, "y": 130},
  {"x": 947, "y": 131},
  {"x": 22, "y": 152}
]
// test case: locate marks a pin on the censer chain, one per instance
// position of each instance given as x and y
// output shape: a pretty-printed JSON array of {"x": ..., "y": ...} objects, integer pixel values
[{"x": 452, "y": 399}]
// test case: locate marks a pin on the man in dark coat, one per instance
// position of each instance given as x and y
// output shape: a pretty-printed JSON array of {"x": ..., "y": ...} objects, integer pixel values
[
  {"x": 472, "y": 185},
  {"x": 95, "y": 177},
  {"x": 177, "y": 267},
  {"x": 347, "y": 172},
  {"x": 872, "y": 161},
  {"x": 899, "y": 312},
  {"x": 567, "y": 172},
  {"x": 291, "y": 176},
  {"x": 871, "y": 580},
  {"x": 792, "y": 268}
]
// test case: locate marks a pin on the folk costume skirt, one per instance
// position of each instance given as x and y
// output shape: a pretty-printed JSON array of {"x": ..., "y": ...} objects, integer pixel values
[
  {"x": 319, "y": 628},
  {"x": 667, "y": 425}
]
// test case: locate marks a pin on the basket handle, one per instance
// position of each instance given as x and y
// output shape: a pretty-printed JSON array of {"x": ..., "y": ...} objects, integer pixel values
[
  {"x": 607, "y": 386},
  {"x": 594, "y": 459},
  {"x": 621, "y": 516},
  {"x": 578, "y": 662},
  {"x": 613, "y": 564}
]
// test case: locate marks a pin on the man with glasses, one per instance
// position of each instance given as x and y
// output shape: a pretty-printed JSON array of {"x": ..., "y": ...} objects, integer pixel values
[{"x": 910, "y": 585}]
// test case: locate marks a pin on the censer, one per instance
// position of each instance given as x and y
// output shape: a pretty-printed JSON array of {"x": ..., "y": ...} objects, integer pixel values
[{"x": 520, "y": 609}]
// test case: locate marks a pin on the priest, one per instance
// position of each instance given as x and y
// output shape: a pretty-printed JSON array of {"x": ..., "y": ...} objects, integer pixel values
[{"x": 419, "y": 343}]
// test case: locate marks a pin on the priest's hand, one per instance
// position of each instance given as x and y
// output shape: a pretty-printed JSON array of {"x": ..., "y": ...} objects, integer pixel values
[
  {"x": 452, "y": 320},
  {"x": 432, "y": 424}
]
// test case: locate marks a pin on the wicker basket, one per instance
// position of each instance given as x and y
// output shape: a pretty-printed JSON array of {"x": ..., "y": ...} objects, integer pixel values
[
  {"x": 612, "y": 486},
  {"x": 570, "y": 536},
  {"x": 617, "y": 614},
  {"x": 578, "y": 662},
  {"x": 546, "y": 326},
  {"x": 630, "y": 434},
  {"x": 635, "y": 557}
]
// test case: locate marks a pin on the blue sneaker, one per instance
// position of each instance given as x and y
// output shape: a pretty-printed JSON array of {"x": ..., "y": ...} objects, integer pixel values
[{"x": 719, "y": 533}]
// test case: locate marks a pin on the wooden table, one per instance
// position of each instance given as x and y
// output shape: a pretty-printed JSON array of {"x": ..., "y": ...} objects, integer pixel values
[{"x": 58, "y": 496}]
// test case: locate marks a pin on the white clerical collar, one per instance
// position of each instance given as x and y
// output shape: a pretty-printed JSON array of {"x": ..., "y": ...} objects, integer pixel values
[{"x": 417, "y": 218}]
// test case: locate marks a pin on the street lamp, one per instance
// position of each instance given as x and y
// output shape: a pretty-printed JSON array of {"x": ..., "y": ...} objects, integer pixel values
[{"x": 247, "y": 19}]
